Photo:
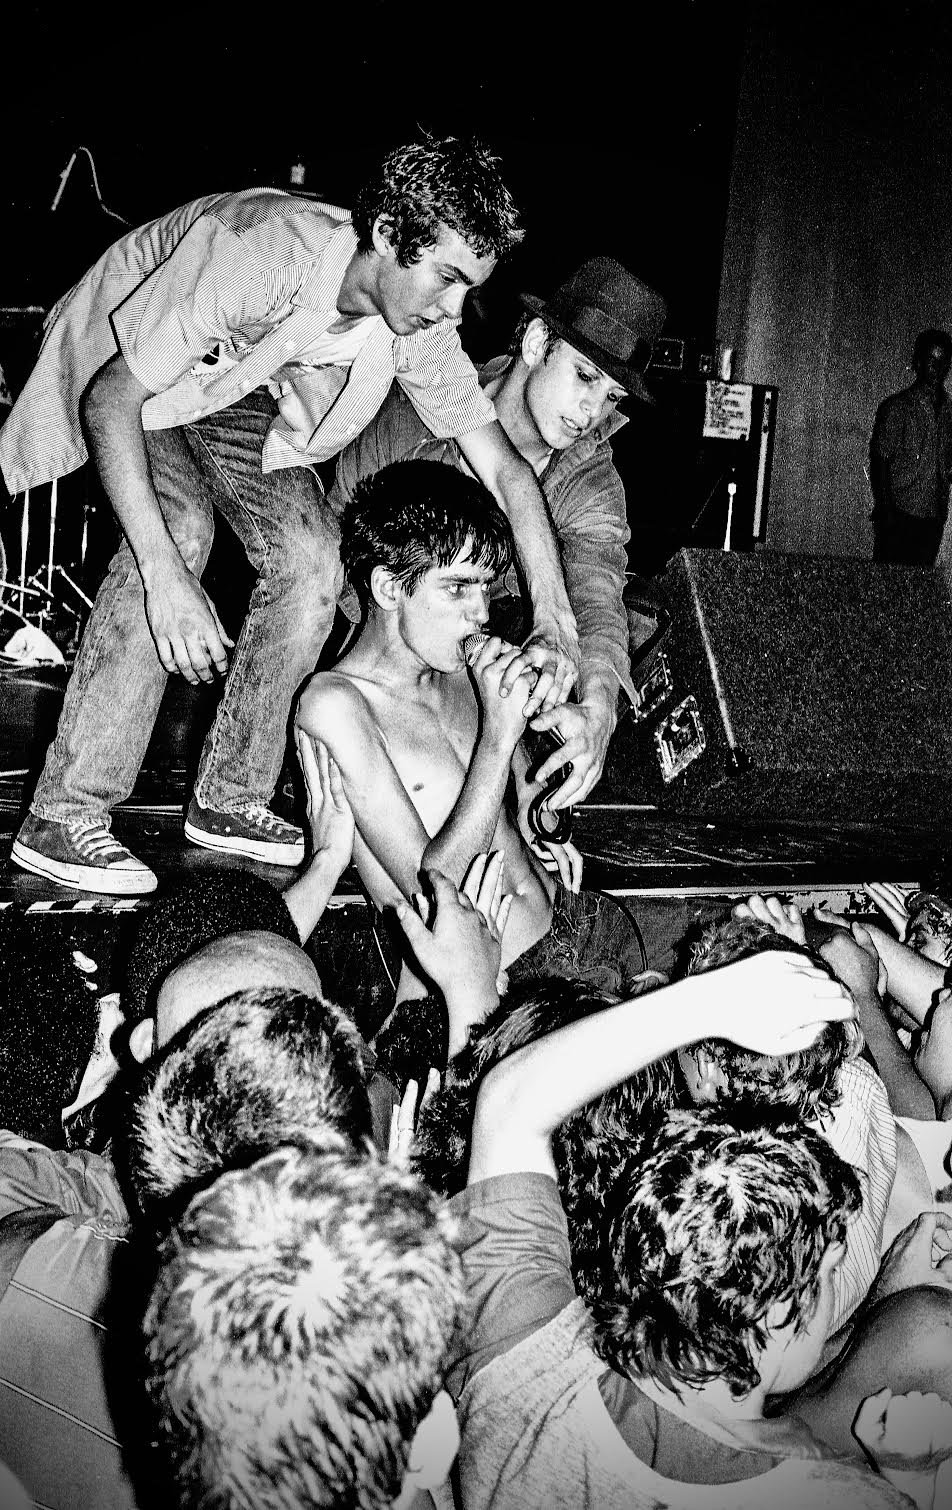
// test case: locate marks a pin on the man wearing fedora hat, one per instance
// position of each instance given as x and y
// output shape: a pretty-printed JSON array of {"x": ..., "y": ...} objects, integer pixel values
[{"x": 575, "y": 356}]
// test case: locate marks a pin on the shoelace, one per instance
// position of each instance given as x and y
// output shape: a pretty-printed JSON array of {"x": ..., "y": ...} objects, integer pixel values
[
  {"x": 94, "y": 840},
  {"x": 264, "y": 818}
]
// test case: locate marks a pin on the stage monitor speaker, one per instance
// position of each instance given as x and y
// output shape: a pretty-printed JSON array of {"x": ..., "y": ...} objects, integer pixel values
[{"x": 796, "y": 688}]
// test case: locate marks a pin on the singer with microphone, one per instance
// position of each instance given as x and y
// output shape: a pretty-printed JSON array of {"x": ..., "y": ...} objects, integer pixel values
[
  {"x": 575, "y": 358},
  {"x": 424, "y": 716}
]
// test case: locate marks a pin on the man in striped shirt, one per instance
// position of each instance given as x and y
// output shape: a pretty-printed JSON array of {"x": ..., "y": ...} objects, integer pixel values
[{"x": 211, "y": 359}]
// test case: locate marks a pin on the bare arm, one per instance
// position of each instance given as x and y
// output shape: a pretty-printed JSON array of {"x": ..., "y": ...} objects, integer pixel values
[
  {"x": 332, "y": 836},
  {"x": 184, "y": 625},
  {"x": 913, "y": 979},
  {"x": 553, "y": 644},
  {"x": 524, "y": 1098}
]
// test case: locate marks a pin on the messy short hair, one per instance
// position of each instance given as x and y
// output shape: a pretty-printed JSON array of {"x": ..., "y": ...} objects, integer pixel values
[
  {"x": 799, "y": 1086},
  {"x": 298, "y": 1330},
  {"x": 192, "y": 913},
  {"x": 530, "y": 1011},
  {"x": 425, "y": 186},
  {"x": 257, "y": 1069},
  {"x": 412, "y": 515},
  {"x": 709, "y": 1228}
]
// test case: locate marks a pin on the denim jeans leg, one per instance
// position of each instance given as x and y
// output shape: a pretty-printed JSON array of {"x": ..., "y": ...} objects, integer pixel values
[
  {"x": 117, "y": 681},
  {"x": 292, "y": 540}
]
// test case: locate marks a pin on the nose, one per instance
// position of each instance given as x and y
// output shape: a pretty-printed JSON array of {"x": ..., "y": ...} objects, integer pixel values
[
  {"x": 451, "y": 302},
  {"x": 478, "y": 608}
]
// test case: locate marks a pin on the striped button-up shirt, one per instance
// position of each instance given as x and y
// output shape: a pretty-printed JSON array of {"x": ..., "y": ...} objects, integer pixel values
[{"x": 253, "y": 276}]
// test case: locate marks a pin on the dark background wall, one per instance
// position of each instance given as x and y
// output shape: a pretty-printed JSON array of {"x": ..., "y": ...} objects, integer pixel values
[
  {"x": 837, "y": 242},
  {"x": 614, "y": 127},
  {"x": 815, "y": 243}
]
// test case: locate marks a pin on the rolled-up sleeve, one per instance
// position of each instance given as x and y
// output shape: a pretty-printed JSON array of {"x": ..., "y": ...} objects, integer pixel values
[{"x": 593, "y": 533}]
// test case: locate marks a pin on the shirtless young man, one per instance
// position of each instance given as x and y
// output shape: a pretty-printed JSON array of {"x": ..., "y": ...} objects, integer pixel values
[{"x": 426, "y": 744}]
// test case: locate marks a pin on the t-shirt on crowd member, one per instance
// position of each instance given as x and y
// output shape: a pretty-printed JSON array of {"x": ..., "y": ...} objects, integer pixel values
[
  {"x": 210, "y": 358},
  {"x": 659, "y": 1397},
  {"x": 575, "y": 357},
  {"x": 272, "y": 1060}
]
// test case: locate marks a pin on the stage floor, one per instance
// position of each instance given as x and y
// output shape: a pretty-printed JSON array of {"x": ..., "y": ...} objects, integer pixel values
[{"x": 629, "y": 851}]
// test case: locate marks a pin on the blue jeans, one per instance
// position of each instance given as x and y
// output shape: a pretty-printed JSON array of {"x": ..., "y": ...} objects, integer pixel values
[
  {"x": 592, "y": 938},
  {"x": 112, "y": 699}
]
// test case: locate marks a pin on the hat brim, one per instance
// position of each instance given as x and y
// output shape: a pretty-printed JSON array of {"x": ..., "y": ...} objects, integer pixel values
[{"x": 628, "y": 376}]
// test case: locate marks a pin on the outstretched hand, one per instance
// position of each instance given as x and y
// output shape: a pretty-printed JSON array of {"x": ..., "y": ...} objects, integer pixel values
[
  {"x": 908, "y": 1433},
  {"x": 778, "y": 1003},
  {"x": 890, "y": 898},
  {"x": 458, "y": 939},
  {"x": 784, "y": 918},
  {"x": 552, "y": 650},
  {"x": 329, "y": 812}
]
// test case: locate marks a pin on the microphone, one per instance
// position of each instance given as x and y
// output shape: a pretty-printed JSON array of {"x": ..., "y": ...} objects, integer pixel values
[
  {"x": 554, "y": 825},
  {"x": 472, "y": 643}
]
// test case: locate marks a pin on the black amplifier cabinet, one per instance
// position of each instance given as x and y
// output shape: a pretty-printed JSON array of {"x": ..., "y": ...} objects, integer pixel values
[{"x": 794, "y": 688}]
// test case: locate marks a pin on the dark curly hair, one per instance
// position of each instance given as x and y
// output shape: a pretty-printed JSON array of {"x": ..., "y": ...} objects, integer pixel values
[
  {"x": 412, "y": 515},
  {"x": 707, "y": 1230},
  {"x": 798, "y": 1086},
  {"x": 425, "y": 186},
  {"x": 529, "y": 1012}
]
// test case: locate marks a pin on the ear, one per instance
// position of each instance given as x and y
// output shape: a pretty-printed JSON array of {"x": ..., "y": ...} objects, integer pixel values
[
  {"x": 384, "y": 589},
  {"x": 434, "y": 1446},
  {"x": 533, "y": 342},
  {"x": 382, "y": 237},
  {"x": 142, "y": 1039}
]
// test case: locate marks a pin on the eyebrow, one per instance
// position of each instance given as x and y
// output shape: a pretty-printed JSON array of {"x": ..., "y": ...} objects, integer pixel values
[
  {"x": 475, "y": 574},
  {"x": 458, "y": 274}
]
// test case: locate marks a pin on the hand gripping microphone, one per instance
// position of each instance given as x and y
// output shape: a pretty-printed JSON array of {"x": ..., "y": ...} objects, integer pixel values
[{"x": 552, "y": 824}]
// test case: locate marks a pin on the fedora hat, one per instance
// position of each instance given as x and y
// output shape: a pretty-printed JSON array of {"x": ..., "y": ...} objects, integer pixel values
[{"x": 608, "y": 315}]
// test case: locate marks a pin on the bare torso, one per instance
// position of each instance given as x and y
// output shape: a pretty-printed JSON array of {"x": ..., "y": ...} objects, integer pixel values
[{"x": 418, "y": 738}]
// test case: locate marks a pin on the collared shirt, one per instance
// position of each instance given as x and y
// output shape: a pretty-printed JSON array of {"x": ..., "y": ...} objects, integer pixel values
[
  {"x": 250, "y": 279},
  {"x": 915, "y": 445},
  {"x": 586, "y": 500}
]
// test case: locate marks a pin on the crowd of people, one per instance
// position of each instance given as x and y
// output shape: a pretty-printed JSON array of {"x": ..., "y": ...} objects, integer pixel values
[{"x": 564, "y": 1230}]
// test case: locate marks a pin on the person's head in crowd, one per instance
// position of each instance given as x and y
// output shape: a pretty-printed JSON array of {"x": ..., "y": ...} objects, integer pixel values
[
  {"x": 412, "y": 516},
  {"x": 424, "y": 189},
  {"x": 798, "y": 1087},
  {"x": 297, "y": 1335},
  {"x": 588, "y": 1148},
  {"x": 48, "y": 1022},
  {"x": 723, "y": 1244},
  {"x": 930, "y": 926},
  {"x": 193, "y": 911},
  {"x": 242, "y": 1074},
  {"x": 931, "y": 358},
  {"x": 246, "y": 959}
]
